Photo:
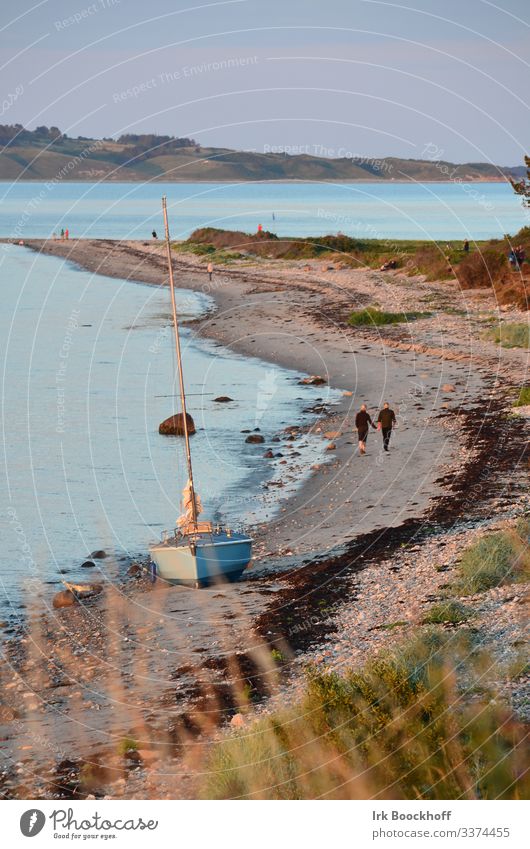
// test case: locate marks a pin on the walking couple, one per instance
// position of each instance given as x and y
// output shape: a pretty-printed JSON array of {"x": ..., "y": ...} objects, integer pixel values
[{"x": 385, "y": 422}]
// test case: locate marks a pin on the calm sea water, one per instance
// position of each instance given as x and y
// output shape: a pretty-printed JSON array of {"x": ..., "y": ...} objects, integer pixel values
[
  {"x": 371, "y": 210},
  {"x": 87, "y": 363}
]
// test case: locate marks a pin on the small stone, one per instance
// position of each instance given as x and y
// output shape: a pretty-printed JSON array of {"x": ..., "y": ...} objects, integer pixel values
[
  {"x": 331, "y": 446},
  {"x": 448, "y": 387},
  {"x": 237, "y": 721},
  {"x": 223, "y": 399},
  {"x": 313, "y": 380}
]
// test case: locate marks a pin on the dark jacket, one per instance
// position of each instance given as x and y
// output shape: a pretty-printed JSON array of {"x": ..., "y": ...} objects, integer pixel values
[
  {"x": 362, "y": 420},
  {"x": 387, "y": 418}
]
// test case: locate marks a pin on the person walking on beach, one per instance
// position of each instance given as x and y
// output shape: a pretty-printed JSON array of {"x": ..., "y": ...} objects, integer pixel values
[
  {"x": 520, "y": 256},
  {"x": 210, "y": 270},
  {"x": 62, "y": 232},
  {"x": 385, "y": 422},
  {"x": 67, "y": 234},
  {"x": 153, "y": 234},
  {"x": 466, "y": 246},
  {"x": 362, "y": 422}
]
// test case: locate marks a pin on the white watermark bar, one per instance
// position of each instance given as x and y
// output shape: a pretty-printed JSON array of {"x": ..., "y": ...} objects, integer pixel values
[{"x": 309, "y": 824}]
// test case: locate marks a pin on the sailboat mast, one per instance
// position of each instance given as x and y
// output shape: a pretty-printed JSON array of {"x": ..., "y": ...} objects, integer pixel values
[{"x": 179, "y": 364}]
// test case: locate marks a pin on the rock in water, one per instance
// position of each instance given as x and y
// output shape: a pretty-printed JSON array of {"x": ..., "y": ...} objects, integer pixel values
[
  {"x": 254, "y": 438},
  {"x": 64, "y": 599},
  {"x": 174, "y": 425},
  {"x": 99, "y": 554},
  {"x": 312, "y": 380},
  {"x": 223, "y": 399},
  {"x": 88, "y": 564}
]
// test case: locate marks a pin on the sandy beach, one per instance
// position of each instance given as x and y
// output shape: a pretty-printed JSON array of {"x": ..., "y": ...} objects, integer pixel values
[{"x": 324, "y": 580}]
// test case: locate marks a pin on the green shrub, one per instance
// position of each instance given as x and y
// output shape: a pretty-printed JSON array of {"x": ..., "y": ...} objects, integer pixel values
[
  {"x": 524, "y": 397},
  {"x": 452, "y": 612},
  {"x": 401, "y": 728},
  {"x": 128, "y": 744},
  {"x": 511, "y": 335},
  {"x": 372, "y": 316},
  {"x": 499, "y": 558}
]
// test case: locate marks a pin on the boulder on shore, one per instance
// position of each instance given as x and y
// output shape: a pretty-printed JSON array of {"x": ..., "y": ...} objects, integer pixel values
[
  {"x": 174, "y": 425},
  {"x": 255, "y": 438},
  {"x": 64, "y": 598}
]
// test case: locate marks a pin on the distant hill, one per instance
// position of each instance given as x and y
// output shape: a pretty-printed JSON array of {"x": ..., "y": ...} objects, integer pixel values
[{"x": 47, "y": 154}]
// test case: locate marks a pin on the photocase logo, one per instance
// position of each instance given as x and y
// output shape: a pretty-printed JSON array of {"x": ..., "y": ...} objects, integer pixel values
[{"x": 32, "y": 822}]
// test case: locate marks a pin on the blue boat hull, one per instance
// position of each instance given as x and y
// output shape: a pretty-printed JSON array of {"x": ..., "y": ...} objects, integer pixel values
[{"x": 202, "y": 559}]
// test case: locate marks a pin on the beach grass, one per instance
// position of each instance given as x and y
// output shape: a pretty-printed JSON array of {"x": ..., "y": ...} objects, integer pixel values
[
  {"x": 445, "y": 613},
  {"x": 510, "y": 335},
  {"x": 403, "y": 727},
  {"x": 496, "y": 559},
  {"x": 524, "y": 397},
  {"x": 373, "y": 317}
]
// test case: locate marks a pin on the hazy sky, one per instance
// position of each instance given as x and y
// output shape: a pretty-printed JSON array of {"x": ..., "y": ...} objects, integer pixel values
[{"x": 335, "y": 77}]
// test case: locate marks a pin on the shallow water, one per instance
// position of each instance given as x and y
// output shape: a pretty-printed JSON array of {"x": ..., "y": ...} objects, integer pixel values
[
  {"x": 87, "y": 368},
  {"x": 367, "y": 210}
]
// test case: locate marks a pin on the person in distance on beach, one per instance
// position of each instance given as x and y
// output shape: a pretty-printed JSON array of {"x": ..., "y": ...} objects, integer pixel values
[
  {"x": 385, "y": 422},
  {"x": 362, "y": 422},
  {"x": 466, "y": 246},
  {"x": 153, "y": 234},
  {"x": 210, "y": 270}
]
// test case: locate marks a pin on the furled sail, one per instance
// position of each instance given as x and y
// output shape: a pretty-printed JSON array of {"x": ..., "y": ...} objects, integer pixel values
[{"x": 187, "y": 505}]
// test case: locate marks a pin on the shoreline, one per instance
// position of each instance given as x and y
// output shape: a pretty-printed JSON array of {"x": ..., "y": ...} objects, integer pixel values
[
  {"x": 253, "y": 298},
  {"x": 343, "y": 524},
  {"x": 240, "y": 182}
]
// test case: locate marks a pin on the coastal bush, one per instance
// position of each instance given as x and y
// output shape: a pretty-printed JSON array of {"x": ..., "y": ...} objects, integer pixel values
[
  {"x": 371, "y": 316},
  {"x": 446, "y": 612},
  {"x": 499, "y": 558},
  {"x": 431, "y": 261},
  {"x": 403, "y": 727},
  {"x": 511, "y": 335},
  {"x": 483, "y": 268}
]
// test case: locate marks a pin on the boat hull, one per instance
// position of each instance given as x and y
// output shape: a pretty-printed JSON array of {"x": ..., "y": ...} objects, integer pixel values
[{"x": 203, "y": 560}]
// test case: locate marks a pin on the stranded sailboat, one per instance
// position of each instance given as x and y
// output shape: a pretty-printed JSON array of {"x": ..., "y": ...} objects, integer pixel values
[{"x": 195, "y": 553}]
